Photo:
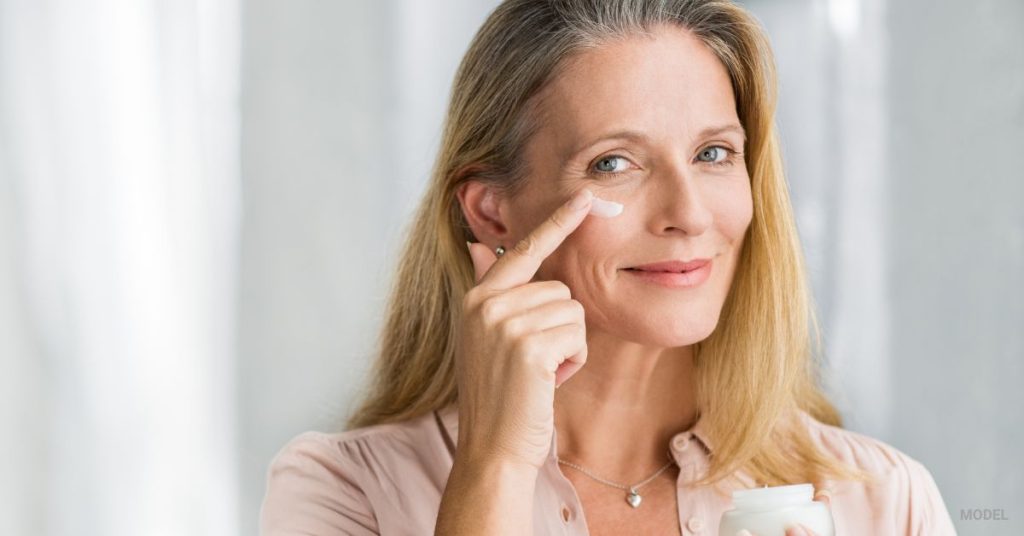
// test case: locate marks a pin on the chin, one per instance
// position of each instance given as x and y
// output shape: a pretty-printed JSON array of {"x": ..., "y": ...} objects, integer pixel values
[
  {"x": 684, "y": 337},
  {"x": 674, "y": 332}
]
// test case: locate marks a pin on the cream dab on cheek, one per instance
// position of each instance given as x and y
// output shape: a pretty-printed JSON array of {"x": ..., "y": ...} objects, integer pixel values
[{"x": 605, "y": 208}]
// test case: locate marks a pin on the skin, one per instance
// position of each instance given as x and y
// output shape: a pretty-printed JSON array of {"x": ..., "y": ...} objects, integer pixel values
[{"x": 637, "y": 381}]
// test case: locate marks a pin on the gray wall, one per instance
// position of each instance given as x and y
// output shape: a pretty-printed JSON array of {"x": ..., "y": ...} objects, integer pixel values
[
  {"x": 342, "y": 105},
  {"x": 317, "y": 221},
  {"x": 957, "y": 264}
]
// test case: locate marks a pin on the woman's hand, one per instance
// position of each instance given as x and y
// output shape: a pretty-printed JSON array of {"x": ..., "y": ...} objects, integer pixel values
[
  {"x": 801, "y": 530},
  {"x": 519, "y": 340}
]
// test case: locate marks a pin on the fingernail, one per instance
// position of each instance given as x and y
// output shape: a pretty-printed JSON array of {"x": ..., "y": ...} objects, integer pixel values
[
  {"x": 796, "y": 530},
  {"x": 605, "y": 208},
  {"x": 744, "y": 532},
  {"x": 581, "y": 199}
]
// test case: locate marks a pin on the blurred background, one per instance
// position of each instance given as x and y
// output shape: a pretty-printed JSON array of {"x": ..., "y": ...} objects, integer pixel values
[{"x": 201, "y": 203}]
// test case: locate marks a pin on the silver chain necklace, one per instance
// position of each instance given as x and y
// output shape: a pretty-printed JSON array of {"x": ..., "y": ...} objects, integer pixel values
[{"x": 633, "y": 498}]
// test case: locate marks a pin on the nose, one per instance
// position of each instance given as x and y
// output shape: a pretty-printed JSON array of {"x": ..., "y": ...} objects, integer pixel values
[{"x": 680, "y": 202}]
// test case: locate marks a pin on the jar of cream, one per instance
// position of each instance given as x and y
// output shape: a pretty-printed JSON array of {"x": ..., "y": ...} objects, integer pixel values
[{"x": 769, "y": 511}]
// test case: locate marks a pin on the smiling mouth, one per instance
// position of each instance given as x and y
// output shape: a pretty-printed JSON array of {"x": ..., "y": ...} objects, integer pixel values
[
  {"x": 662, "y": 271},
  {"x": 674, "y": 274},
  {"x": 671, "y": 266}
]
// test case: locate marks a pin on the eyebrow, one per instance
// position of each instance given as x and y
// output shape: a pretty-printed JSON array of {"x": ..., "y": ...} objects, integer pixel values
[{"x": 637, "y": 136}]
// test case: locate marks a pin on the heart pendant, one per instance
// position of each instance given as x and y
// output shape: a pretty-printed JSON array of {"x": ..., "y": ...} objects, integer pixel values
[{"x": 633, "y": 499}]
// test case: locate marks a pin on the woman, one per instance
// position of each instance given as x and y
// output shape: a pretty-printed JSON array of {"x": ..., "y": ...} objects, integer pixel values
[{"x": 628, "y": 338}]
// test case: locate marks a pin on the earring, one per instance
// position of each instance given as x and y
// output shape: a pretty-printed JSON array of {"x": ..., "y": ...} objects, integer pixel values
[{"x": 499, "y": 251}]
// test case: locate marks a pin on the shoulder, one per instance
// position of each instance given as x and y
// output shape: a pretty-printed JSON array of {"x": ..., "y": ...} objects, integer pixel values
[
  {"x": 857, "y": 449},
  {"x": 902, "y": 483},
  {"x": 314, "y": 486},
  {"x": 325, "y": 483}
]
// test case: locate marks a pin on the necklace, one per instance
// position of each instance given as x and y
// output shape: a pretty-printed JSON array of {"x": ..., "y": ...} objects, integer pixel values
[{"x": 633, "y": 498}]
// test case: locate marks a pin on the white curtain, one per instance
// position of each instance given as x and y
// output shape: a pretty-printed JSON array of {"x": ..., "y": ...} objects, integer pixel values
[{"x": 119, "y": 202}]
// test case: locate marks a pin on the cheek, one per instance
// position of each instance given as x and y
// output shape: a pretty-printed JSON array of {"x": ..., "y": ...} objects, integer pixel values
[
  {"x": 598, "y": 236},
  {"x": 734, "y": 209},
  {"x": 588, "y": 258}
]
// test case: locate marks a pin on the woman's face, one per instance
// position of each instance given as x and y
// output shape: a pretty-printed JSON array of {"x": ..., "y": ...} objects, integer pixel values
[{"x": 682, "y": 179}]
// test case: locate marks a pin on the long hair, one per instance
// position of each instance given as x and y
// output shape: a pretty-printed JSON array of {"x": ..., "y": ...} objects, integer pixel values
[{"x": 757, "y": 366}]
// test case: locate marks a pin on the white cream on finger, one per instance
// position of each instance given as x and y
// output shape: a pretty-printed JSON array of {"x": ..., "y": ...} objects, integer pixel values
[{"x": 605, "y": 208}]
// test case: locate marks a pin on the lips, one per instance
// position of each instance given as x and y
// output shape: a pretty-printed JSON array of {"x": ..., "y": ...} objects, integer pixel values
[
  {"x": 675, "y": 266},
  {"x": 676, "y": 275}
]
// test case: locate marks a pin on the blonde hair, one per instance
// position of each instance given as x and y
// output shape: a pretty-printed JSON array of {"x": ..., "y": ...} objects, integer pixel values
[{"x": 752, "y": 371}]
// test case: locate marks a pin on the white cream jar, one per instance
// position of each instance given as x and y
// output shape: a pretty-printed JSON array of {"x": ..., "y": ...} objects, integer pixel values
[{"x": 769, "y": 511}]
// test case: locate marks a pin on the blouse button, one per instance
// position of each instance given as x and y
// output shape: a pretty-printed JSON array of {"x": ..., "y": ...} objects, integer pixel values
[
  {"x": 680, "y": 443},
  {"x": 695, "y": 524},
  {"x": 566, "y": 513}
]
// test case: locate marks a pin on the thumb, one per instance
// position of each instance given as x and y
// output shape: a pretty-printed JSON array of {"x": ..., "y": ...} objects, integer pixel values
[
  {"x": 824, "y": 495},
  {"x": 482, "y": 258}
]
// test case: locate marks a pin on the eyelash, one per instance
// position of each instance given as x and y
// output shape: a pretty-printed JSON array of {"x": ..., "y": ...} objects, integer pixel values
[{"x": 729, "y": 160}]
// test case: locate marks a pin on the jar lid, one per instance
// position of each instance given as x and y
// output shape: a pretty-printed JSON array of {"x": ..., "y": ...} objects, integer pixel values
[{"x": 772, "y": 497}]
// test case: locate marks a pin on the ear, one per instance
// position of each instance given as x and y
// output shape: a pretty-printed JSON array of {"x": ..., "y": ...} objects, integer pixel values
[{"x": 482, "y": 207}]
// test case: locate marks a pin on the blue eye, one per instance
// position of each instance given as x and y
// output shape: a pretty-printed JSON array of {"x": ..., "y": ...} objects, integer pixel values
[
  {"x": 717, "y": 155},
  {"x": 606, "y": 164}
]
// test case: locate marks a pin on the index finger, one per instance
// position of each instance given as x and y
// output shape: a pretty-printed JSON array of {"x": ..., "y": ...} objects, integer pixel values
[{"x": 519, "y": 264}]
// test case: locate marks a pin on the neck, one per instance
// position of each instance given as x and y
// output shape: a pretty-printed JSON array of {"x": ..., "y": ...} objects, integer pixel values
[{"x": 618, "y": 413}]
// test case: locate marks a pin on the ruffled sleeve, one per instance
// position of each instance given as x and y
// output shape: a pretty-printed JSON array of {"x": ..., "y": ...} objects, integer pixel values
[
  {"x": 927, "y": 511},
  {"x": 313, "y": 490},
  {"x": 903, "y": 499}
]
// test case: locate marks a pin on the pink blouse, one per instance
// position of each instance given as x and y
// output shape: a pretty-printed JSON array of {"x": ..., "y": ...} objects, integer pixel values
[{"x": 388, "y": 479}]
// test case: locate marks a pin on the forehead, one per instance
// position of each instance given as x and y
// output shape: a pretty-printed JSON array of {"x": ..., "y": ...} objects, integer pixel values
[{"x": 668, "y": 84}]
